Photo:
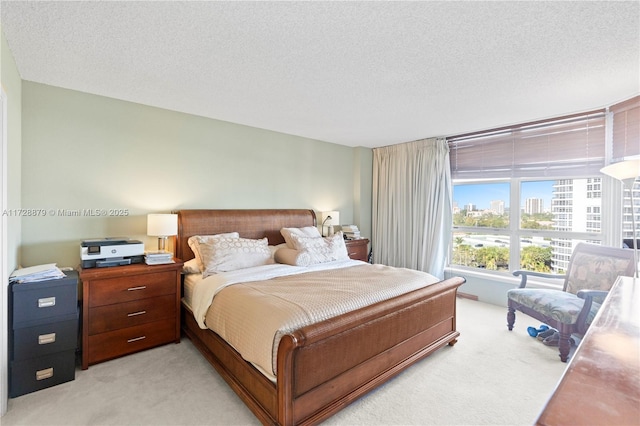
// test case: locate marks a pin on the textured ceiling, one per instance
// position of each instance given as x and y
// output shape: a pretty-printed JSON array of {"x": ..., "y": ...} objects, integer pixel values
[{"x": 352, "y": 73}]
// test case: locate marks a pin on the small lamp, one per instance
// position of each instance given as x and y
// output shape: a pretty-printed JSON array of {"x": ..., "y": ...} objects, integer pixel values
[
  {"x": 162, "y": 226},
  {"x": 330, "y": 219},
  {"x": 627, "y": 171}
]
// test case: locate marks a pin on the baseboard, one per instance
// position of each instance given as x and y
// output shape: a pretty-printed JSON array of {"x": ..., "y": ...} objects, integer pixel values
[{"x": 468, "y": 296}]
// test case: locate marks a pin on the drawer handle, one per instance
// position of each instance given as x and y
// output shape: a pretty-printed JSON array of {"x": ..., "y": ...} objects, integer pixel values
[
  {"x": 135, "y": 339},
  {"x": 44, "y": 374},
  {"x": 45, "y": 339},
  {"x": 133, "y": 314},
  {"x": 47, "y": 302},
  {"x": 142, "y": 287}
]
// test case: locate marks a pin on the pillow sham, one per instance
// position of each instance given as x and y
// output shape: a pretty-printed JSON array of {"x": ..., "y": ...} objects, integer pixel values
[
  {"x": 322, "y": 250},
  {"x": 195, "y": 241},
  {"x": 307, "y": 231},
  {"x": 225, "y": 254},
  {"x": 292, "y": 257},
  {"x": 191, "y": 267}
]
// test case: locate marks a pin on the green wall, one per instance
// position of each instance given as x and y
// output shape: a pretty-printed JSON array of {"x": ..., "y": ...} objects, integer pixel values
[{"x": 84, "y": 152}]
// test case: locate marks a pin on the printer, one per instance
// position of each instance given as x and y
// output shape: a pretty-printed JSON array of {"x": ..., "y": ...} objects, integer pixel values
[{"x": 111, "y": 251}]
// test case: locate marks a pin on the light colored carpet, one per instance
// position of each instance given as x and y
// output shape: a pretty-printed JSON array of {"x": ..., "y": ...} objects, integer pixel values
[{"x": 490, "y": 377}]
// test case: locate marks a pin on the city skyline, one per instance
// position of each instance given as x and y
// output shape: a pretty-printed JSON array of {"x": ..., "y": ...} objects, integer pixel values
[{"x": 482, "y": 194}]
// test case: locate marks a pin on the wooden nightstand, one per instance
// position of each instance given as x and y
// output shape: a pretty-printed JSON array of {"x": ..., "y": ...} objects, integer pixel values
[
  {"x": 127, "y": 309},
  {"x": 358, "y": 249}
]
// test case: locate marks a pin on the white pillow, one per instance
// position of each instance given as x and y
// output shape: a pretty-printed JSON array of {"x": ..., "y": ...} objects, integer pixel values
[
  {"x": 274, "y": 249},
  {"x": 225, "y": 254},
  {"x": 194, "y": 244},
  {"x": 192, "y": 267},
  {"x": 322, "y": 250},
  {"x": 307, "y": 231},
  {"x": 292, "y": 257}
]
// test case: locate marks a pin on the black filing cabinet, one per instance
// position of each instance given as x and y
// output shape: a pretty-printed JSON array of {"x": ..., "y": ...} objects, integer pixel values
[{"x": 43, "y": 324}]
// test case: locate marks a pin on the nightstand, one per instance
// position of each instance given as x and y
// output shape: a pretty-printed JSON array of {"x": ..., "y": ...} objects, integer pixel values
[
  {"x": 43, "y": 326},
  {"x": 358, "y": 249},
  {"x": 127, "y": 309}
]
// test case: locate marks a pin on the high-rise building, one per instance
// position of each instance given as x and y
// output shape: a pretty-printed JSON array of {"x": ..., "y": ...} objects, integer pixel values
[
  {"x": 576, "y": 206},
  {"x": 497, "y": 207},
  {"x": 534, "y": 206}
]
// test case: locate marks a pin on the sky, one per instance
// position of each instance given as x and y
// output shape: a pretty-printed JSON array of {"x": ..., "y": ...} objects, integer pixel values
[{"x": 482, "y": 194}]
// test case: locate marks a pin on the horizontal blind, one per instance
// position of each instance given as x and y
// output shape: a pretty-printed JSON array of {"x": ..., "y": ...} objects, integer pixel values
[
  {"x": 565, "y": 146},
  {"x": 626, "y": 129}
]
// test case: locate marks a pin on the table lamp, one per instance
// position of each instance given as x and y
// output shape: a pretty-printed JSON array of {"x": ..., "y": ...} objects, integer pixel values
[
  {"x": 162, "y": 226},
  {"x": 330, "y": 219}
]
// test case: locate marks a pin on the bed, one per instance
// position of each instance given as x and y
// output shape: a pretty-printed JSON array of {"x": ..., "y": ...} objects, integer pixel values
[{"x": 323, "y": 366}]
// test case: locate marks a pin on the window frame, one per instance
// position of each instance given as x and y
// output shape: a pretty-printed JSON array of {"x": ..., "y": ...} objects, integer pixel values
[{"x": 514, "y": 231}]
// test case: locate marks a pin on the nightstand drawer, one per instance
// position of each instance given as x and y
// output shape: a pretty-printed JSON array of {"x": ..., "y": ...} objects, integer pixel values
[
  {"x": 45, "y": 339},
  {"x": 357, "y": 249},
  {"x": 34, "y": 303},
  {"x": 123, "y": 315},
  {"x": 38, "y": 373},
  {"x": 116, "y": 343},
  {"x": 132, "y": 287}
]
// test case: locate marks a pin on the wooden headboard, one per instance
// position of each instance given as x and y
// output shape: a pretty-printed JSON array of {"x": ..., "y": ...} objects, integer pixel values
[{"x": 253, "y": 224}]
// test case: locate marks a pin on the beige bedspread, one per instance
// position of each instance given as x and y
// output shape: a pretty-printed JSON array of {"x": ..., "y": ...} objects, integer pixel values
[{"x": 253, "y": 316}]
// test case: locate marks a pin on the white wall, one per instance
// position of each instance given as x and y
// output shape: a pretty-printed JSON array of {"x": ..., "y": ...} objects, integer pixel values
[{"x": 12, "y": 86}]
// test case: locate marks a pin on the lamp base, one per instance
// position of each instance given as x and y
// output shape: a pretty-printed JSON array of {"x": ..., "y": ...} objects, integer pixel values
[{"x": 162, "y": 243}]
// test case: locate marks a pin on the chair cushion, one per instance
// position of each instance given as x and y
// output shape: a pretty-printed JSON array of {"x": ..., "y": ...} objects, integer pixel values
[{"x": 558, "y": 305}]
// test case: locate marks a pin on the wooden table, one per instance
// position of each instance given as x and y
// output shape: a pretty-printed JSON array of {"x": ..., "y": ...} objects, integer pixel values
[{"x": 601, "y": 385}]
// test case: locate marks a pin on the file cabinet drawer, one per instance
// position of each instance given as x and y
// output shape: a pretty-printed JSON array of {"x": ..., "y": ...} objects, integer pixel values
[
  {"x": 36, "y": 302},
  {"x": 38, "y": 373},
  {"x": 45, "y": 339}
]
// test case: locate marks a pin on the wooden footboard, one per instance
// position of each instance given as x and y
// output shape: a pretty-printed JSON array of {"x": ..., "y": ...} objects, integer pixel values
[{"x": 325, "y": 366}]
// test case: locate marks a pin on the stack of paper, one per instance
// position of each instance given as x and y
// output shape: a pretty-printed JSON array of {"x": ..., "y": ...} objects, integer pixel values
[
  {"x": 36, "y": 273},
  {"x": 158, "y": 258},
  {"x": 351, "y": 232}
]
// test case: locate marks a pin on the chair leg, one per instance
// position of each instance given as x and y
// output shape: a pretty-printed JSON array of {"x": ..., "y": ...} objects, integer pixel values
[
  {"x": 564, "y": 345},
  {"x": 511, "y": 318}
]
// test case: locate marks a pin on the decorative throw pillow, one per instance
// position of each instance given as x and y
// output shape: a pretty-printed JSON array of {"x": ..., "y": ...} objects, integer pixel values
[
  {"x": 195, "y": 241},
  {"x": 228, "y": 254},
  {"x": 322, "y": 250},
  {"x": 307, "y": 231},
  {"x": 292, "y": 257}
]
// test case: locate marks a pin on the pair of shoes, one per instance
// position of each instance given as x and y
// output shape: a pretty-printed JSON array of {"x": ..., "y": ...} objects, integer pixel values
[
  {"x": 552, "y": 340},
  {"x": 546, "y": 333},
  {"x": 533, "y": 332}
]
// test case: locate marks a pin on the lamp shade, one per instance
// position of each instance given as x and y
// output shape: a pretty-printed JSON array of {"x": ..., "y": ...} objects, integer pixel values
[
  {"x": 162, "y": 225},
  {"x": 331, "y": 218},
  {"x": 625, "y": 171}
]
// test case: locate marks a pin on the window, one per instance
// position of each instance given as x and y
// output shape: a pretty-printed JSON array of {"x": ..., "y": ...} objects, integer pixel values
[
  {"x": 626, "y": 144},
  {"x": 538, "y": 230},
  {"x": 525, "y": 195}
]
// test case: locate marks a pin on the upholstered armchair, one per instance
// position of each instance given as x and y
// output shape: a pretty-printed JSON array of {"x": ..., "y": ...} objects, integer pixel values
[{"x": 591, "y": 273}]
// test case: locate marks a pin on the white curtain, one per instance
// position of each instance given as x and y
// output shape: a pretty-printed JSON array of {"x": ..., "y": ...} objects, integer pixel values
[{"x": 412, "y": 205}]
